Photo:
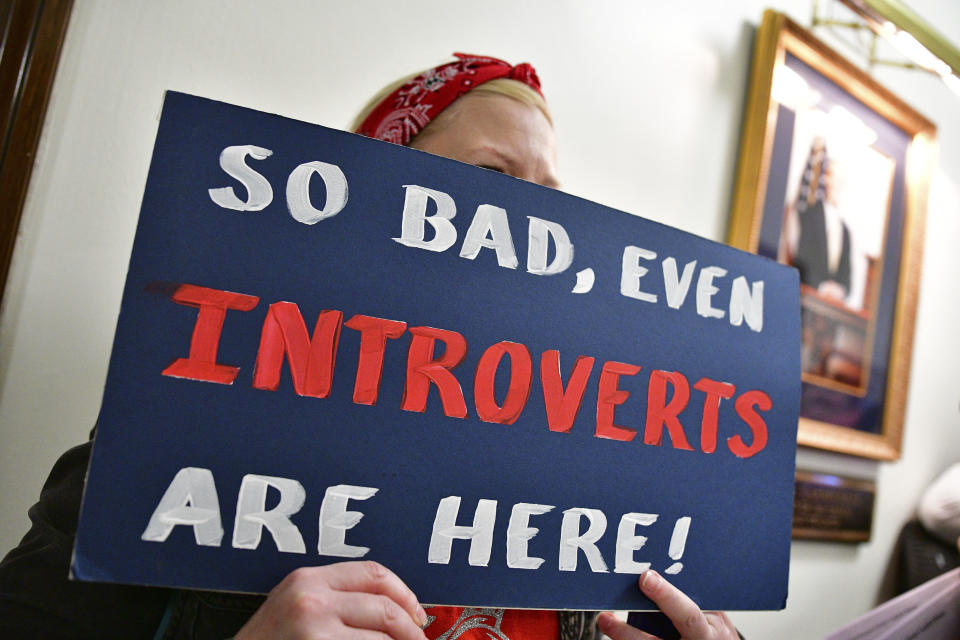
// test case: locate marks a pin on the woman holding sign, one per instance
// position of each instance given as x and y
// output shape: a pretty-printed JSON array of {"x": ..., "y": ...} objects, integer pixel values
[
  {"x": 484, "y": 112},
  {"x": 477, "y": 110}
]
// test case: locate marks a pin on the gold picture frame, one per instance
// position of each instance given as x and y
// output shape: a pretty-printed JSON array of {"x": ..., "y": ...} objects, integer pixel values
[{"x": 832, "y": 178}]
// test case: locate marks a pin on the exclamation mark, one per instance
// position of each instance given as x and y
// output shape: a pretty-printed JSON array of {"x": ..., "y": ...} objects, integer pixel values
[{"x": 678, "y": 541}]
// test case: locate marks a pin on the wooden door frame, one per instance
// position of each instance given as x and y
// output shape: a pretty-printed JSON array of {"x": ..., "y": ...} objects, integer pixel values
[{"x": 31, "y": 37}]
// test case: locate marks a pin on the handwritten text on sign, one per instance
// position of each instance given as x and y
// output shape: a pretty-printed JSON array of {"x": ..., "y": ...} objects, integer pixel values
[{"x": 442, "y": 407}]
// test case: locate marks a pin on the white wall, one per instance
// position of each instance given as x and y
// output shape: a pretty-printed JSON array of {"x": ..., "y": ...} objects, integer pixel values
[{"x": 648, "y": 99}]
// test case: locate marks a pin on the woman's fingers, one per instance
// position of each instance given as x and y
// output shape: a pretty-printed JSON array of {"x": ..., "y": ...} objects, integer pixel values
[
  {"x": 373, "y": 577},
  {"x": 377, "y": 613},
  {"x": 686, "y": 616},
  {"x": 617, "y": 629},
  {"x": 355, "y": 600},
  {"x": 682, "y": 611}
]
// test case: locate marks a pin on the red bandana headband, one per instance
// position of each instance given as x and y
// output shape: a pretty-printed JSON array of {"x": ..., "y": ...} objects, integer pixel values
[{"x": 405, "y": 112}]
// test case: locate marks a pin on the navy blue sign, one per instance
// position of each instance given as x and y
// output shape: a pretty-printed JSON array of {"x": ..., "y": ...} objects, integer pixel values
[{"x": 335, "y": 348}]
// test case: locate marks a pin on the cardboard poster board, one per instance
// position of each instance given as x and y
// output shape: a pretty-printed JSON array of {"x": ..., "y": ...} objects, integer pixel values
[{"x": 331, "y": 347}]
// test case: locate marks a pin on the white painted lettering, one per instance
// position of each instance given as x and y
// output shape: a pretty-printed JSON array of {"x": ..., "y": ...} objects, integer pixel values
[
  {"x": 746, "y": 305},
  {"x": 259, "y": 191},
  {"x": 676, "y": 287},
  {"x": 628, "y": 541},
  {"x": 335, "y": 520},
  {"x": 445, "y": 530},
  {"x": 415, "y": 216},
  {"x": 519, "y": 533},
  {"x": 253, "y": 516},
  {"x": 706, "y": 290},
  {"x": 572, "y": 541},
  {"x": 490, "y": 229},
  {"x": 191, "y": 500},
  {"x": 539, "y": 233},
  {"x": 298, "y": 192},
  {"x": 632, "y": 272}
]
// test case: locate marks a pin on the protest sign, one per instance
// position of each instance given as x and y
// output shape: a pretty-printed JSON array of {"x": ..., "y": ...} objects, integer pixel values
[{"x": 334, "y": 348}]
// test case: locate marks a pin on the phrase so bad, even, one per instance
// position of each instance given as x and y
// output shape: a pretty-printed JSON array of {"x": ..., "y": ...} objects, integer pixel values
[{"x": 490, "y": 229}]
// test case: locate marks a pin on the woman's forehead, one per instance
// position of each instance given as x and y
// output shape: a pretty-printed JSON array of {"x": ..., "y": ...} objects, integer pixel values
[{"x": 498, "y": 132}]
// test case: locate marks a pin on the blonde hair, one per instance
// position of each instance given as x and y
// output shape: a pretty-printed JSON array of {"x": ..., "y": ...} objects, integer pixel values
[{"x": 500, "y": 86}]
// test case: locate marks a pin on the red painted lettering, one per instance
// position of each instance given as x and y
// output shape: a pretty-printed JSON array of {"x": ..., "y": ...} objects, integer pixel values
[
  {"x": 311, "y": 360},
  {"x": 609, "y": 396},
  {"x": 745, "y": 406},
  {"x": 660, "y": 412},
  {"x": 423, "y": 369},
  {"x": 563, "y": 405},
  {"x": 521, "y": 377},
  {"x": 711, "y": 407},
  {"x": 374, "y": 333},
  {"x": 201, "y": 364}
]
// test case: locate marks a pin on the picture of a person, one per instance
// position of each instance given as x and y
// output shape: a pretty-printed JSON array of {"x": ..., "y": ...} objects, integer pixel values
[{"x": 822, "y": 248}]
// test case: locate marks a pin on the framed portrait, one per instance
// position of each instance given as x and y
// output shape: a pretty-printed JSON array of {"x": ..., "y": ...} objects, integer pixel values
[{"x": 832, "y": 179}]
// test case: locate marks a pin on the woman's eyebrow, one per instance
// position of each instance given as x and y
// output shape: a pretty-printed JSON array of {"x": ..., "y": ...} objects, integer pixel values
[
  {"x": 509, "y": 163},
  {"x": 504, "y": 158}
]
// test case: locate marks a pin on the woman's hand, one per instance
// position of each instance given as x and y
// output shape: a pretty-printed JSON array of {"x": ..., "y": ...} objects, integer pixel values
[
  {"x": 686, "y": 616},
  {"x": 349, "y": 600}
]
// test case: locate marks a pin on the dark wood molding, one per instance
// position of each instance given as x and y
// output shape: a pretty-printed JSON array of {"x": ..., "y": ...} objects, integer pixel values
[{"x": 32, "y": 36}]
